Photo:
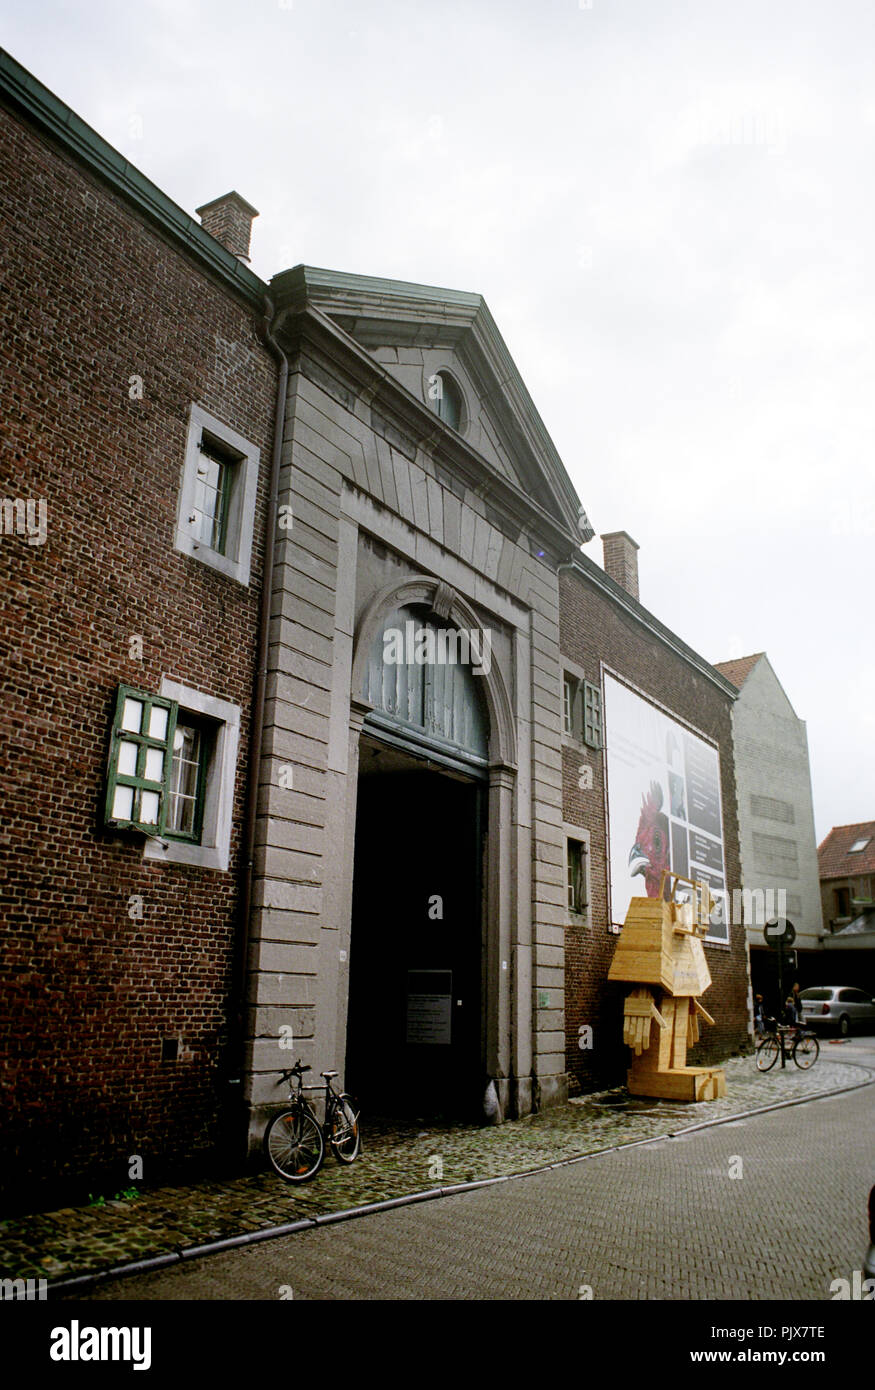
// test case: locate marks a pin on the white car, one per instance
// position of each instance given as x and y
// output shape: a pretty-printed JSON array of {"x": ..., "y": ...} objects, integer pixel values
[{"x": 838, "y": 1006}]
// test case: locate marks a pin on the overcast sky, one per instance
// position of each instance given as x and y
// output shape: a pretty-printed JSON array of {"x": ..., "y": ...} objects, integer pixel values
[{"x": 669, "y": 209}]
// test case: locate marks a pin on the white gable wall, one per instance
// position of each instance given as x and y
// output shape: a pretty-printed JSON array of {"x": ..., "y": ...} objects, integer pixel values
[{"x": 776, "y": 814}]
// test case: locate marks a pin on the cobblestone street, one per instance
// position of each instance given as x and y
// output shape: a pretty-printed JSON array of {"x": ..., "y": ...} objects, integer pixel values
[
  {"x": 769, "y": 1207},
  {"x": 84, "y": 1240}
]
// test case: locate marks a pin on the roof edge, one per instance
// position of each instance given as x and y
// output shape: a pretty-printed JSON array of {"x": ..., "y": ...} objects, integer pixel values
[
  {"x": 27, "y": 95},
  {"x": 591, "y": 571}
]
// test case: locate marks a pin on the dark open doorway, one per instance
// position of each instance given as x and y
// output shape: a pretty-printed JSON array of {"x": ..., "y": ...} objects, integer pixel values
[{"x": 414, "y": 1032}]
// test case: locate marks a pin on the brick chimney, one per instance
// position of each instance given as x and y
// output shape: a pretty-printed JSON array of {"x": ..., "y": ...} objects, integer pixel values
[
  {"x": 229, "y": 219},
  {"x": 621, "y": 560}
]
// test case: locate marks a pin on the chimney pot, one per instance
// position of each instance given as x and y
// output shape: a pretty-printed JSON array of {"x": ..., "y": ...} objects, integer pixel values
[
  {"x": 229, "y": 219},
  {"x": 621, "y": 560}
]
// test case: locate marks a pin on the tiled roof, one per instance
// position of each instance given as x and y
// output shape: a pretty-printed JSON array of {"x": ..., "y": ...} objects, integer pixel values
[
  {"x": 738, "y": 671},
  {"x": 832, "y": 855}
]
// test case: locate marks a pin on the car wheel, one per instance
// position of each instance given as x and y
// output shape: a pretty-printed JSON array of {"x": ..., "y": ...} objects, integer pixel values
[{"x": 844, "y": 1026}]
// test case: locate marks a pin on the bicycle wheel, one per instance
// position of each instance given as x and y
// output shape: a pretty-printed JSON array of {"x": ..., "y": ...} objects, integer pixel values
[
  {"x": 294, "y": 1145},
  {"x": 345, "y": 1134},
  {"x": 768, "y": 1053},
  {"x": 806, "y": 1052}
]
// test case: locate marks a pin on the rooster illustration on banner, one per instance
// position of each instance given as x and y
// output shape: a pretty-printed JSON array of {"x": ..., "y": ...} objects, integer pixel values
[{"x": 650, "y": 854}]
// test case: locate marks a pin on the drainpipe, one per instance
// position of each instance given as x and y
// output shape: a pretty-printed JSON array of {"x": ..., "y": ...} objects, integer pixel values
[{"x": 265, "y": 331}]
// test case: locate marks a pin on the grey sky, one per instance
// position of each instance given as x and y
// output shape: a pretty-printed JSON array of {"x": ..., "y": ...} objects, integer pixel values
[{"x": 668, "y": 208}]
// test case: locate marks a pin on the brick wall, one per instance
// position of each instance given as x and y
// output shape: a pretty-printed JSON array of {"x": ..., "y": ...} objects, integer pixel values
[
  {"x": 594, "y": 630},
  {"x": 91, "y": 296}
]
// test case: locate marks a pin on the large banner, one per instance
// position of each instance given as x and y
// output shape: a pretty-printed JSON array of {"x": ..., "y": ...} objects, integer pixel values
[{"x": 664, "y": 805}]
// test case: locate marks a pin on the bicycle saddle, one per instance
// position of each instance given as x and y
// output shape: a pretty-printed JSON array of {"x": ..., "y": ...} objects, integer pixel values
[{"x": 328, "y": 1074}]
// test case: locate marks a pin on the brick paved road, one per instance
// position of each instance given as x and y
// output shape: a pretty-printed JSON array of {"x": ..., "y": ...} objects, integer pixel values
[{"x": 663, "y": 1221}]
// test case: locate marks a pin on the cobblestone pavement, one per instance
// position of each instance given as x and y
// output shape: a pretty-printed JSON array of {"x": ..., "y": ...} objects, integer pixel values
[
  {"x": 394, "y": 1162},
  {"x": 666, "y": 1221}
]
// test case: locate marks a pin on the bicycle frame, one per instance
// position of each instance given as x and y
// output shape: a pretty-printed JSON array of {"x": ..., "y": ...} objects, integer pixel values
[
  {"x": 786, "y": 1033},
  {"x": 332, "y": 1101}
]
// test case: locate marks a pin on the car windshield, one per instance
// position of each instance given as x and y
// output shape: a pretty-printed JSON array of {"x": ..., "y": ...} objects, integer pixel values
[{"x": 816, "y": 994}]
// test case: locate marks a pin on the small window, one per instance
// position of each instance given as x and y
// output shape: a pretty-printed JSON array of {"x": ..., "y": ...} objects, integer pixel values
[
  {"x": 447, "y": 398},
  {"x": 842, "y": 899},
  {"x": 216, "y": 506},
  {"x": 577, "y": 874},
  {"x": 214, "y": 483},
  {"x": 592, "y": 715},
  {"x": 569, "y": 703},
  {"x": 172, "y": 766},
  {"x": 859, "y": 845}
]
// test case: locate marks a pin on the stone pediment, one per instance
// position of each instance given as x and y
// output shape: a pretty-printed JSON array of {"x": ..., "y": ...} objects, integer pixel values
[{"x": 420, "y": 335}]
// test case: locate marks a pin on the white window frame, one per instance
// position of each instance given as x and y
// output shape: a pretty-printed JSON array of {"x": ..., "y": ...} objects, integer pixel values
[
  {"x": 214, "y": 850},
  {"x": 575, "y": 672},
  {"x": 235, "y": 563}
]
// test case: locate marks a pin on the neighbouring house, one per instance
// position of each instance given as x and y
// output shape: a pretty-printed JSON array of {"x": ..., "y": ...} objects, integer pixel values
[
  {"x": 775, "y": 817},
  {"x": 295, "y": 595},
  {"x": 846, "y": 859}
]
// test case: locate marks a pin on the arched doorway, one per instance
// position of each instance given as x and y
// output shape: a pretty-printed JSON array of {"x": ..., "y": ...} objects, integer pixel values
[{"x": 416, "y": 1025}]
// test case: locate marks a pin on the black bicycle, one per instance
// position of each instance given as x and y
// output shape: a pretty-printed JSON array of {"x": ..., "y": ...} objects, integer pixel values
[
  {"x": 295, "y": 1142},
  {"x": 805, "y": 1049}
]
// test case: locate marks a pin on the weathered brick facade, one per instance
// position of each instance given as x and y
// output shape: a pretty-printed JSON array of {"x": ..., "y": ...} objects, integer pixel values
[
  {"x": 119, "y": 315},
  {"x": 601, "y": 627},
  {"x": 92, "y": 296}
]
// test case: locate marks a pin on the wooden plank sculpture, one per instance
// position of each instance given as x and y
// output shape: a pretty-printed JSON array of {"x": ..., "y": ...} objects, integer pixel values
[{"x": 660, "y": 951}]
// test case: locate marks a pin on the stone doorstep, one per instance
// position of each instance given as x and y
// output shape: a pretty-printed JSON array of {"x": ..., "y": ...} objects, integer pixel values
[{"x": 171, "y": 1220}]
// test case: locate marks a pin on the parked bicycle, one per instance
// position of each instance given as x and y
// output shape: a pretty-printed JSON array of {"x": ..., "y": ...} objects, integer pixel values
[
  {"x": 789, "y": 1039},
  {"x": 295, "y": 1142}
]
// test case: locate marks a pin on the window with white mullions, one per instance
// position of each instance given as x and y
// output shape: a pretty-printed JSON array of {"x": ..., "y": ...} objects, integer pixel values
[
  {"x": 216, "y": 502},
  {"x": 569, "y": 697},
  {"x": 213, "y": 483},
  {"x": 185, "y": 790}
]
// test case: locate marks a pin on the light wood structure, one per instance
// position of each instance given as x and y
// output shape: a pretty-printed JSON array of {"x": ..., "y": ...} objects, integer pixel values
[{"x": 660, "y": 951}]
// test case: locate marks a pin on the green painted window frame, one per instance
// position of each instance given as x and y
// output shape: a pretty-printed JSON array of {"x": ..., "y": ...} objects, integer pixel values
[
  {"x": 143, "y": 741},
  {"x": 592, "y": 715}
]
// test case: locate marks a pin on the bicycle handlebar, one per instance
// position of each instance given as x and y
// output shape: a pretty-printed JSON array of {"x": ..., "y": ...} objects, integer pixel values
[{"x": 297, "y": 1070}]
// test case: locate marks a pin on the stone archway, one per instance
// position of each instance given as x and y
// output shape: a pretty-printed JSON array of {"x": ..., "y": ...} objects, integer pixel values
[{"x": 499, "y": 883}]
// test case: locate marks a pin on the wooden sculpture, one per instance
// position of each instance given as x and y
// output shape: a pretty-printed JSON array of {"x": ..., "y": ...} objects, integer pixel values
[{"x": 660, "y": 947}]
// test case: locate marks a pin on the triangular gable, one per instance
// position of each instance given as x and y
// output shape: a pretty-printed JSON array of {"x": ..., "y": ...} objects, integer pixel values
[{"x": 415, "y": 331}]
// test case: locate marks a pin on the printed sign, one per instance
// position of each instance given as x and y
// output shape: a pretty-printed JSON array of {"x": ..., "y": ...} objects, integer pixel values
[
  {"x": 429, "y": 1007},
  {"x": 664, "y": 805}
]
